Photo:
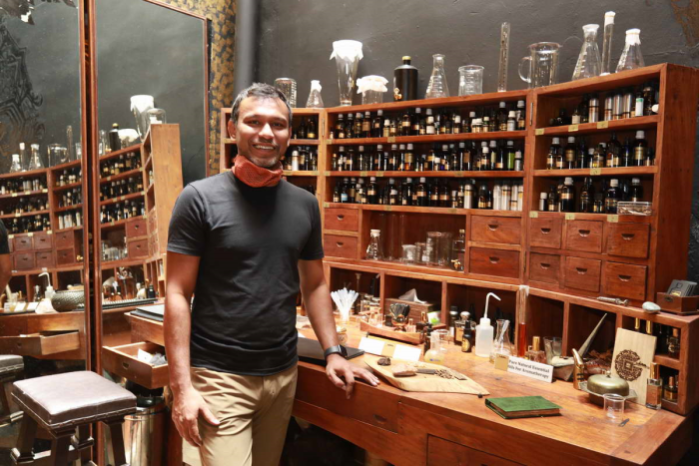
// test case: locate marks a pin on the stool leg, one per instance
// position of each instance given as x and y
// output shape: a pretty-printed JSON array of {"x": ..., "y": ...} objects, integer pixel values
[
  {"x": 82, "y": 443},
  {"x": 60, "y": 446},
  {"x": 24, "y": 453},
  {"x": 117, "y": 432}
]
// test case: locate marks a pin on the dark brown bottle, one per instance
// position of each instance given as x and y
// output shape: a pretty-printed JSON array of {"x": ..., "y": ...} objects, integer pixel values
[
  {"x": 114, "y": 141},
  {"x": 405, "y": 81}
]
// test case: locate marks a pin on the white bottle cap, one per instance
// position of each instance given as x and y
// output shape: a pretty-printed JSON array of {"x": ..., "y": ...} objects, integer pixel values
[
  {"x": 510, "y": 143},
  {"x": 409, "y": 180},
  {"x": 633, "y": 37},
  {"x": 375, "y": 232},
  {"x": 410, "y": 147},
  {"x": 342, "y": 149},
  {"x": 568, "y": 181},
  {"x": 640, "y": 134},
  {"x": 609, "y": 18},
  {"x": 512, "y": 114},
  {"x": 635, "y": 181},
  {"x": 361, "y": 148},
  {"x": 401, "y": 147},
  {"x": 544, "y": 196},
  {"x": 520, "y": 104},
  {"x": 472, "y": 114},
  {"x": 556, "y": 141},
  {"x": 503, "y": 104},
  {"x": 571, "y": 139},
  {"x": 614, "y": 183},
  {"x": 21, "y": 146},
  {"x": 423, "y": 179},
  {"x": 493, "y": 144},
  {"x": 394, "y": 146},
  {"x": 372, "y": 179},
  {"x": 445, "y": 147}
]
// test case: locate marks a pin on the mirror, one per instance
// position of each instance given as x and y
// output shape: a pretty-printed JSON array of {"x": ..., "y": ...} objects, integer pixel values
[{"x": 41, "y": 196}]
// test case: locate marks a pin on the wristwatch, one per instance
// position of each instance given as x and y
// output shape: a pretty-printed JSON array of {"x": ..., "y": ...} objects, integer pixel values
[{"x": 337, "y": 349}]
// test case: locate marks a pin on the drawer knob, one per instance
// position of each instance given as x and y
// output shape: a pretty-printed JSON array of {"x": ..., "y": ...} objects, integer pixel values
[
  {"x": 494, "y": 260},
  {"x": 545, "y": 231},
  {"x": 584, "y": 233},
  {"x": 493, "y": 226},
  {"x": 380, "y": 419},
  {"x": 624, "y": 278},
  {"x": 627, "y": 236},
  {"x": 339, "y": 245},
  {"x": 544, "y": 265},
  {"x": 125, "y": 364},
  {"x": 340, "y": 217},
  {"x": 581, "y": 270}
]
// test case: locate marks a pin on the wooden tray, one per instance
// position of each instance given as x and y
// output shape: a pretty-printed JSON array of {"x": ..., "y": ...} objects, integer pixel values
[
  {"x": 413, "y": 338},
  {"x": 40, "y": 344},
  {"x": 123, "y": 360},
  {"x": 426, "y": 382},
  {"x": 416, "y": 309},
  {"x": 678, "y": 305}
]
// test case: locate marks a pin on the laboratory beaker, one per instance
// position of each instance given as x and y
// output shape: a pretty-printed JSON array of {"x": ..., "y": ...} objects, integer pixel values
[
  {"x": 543, "y": 64},
  {"x": 431, "y": 248},
  {"x": 444, "y": 249},
  {"x": 409, "y": 251},
  {"x": 502, "y": 344},
  {"x": 470, "y": 80},
  {"x": 288, "y": 87},
  {"x": 437, "y": 87},
  {"x": 347, "y": 54},
  {"x": 372, "y": 89},
  {"x": 589, "y": 62}
]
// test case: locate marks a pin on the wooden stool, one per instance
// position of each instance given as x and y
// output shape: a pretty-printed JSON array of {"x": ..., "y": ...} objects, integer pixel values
[
  {"x": 10, "y": 367},
  {"x": 61, "y": 403}
]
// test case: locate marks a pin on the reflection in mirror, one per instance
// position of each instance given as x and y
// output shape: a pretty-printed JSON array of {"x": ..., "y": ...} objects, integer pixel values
[{"x": 42, "y": 318}]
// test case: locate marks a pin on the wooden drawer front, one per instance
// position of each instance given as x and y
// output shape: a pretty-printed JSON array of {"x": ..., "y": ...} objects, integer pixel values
[
  {"x": 136, "y": 228},
  {"x": 370, "y": 405},
  {"x": 65, "y": 240},
  {"x": 582, "y": 274},
  {"x": 545, "y": 232},
  {"x": 584, "y": 235},
  {"x": 40, "y": 344},
  {"x": 544, "y": 267},
  {"x": 442, "y": 452},
  {"x": 123, "y": 361},
  {"x": 341, "y": 219},
  {"x": 497, "y": 262},
  {"x": 138, "y": 248},
  {"x": 496, "y": 229},
  {"x": 340, "y": 246},
  {"x": 65, "y": 256},
  {"x": 628, "y": 239},
  {"x": 44, "y": 259},
  {"x": 24, "y": 261},
  {"x": 625, "y": 280},
  {"x": 22, "y": 243},
  {"x": 43, "y": 241}
]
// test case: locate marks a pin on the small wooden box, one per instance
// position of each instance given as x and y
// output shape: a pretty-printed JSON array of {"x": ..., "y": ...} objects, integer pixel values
[
  {"x": 678, "y": 305},
  {"x": 416, "y": 309}
]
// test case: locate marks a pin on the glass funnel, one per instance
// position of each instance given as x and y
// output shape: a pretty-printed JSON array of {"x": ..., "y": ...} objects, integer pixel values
[
  {"x": 437, "y": 86},
  {"x": 631, "y": 57},
  {"x": 589, "y": 62}
]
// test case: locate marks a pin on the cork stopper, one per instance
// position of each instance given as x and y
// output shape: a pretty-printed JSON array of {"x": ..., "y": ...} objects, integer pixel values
[{"x": 536, "y": 344}]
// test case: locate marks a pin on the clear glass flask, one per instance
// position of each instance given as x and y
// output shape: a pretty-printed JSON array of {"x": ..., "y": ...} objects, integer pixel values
[
  {"x": 374, "y": 250},
  {"x": 16, "y": 167},
  {"x": 607, "y": 42},
  {"x": 502, "y": 344},
  {"x": 437, "y": 86},
  {"x": 35, "y": 163},
  {"x": 589, "y": 62},
  {"x": 631, "y": 57},
  {"x": 315, "y": 100}
]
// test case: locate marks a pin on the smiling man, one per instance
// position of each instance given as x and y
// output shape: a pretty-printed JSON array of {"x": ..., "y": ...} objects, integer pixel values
[{"x": 242, "y": 242}]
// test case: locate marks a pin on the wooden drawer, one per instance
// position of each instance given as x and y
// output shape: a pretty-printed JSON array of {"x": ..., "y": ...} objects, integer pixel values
[
  {"x": 487, "y": 261},
  {"x": 44, "y": 259},
  {"x": 340, "y": 246},
  {"x": 544, "y": 267},
  {"x": 628, "y": 239},
  {"x": 22, "y": 243},
  {"x": 65, "y": 240},
  {"x": 43, "y": 241},
  {"x": 136, "y": 228},
  {"x": 23, "y": 261},
  {"x": 584, "y": 235},
  {"x": 442, "y": 452},
  {"x": 341, "y": 219},
  {"x": 582, "y": 274},
  {"x": 65, "y": 256},
  {"x": 545, "y": 232},
  {"x": 625, "y": 280},
  {"x": 138, "y": 248},
  {"x": 40, "y": 344},
  {"x": 123, "y": 360},
  {"x": 496, "y": 229}
]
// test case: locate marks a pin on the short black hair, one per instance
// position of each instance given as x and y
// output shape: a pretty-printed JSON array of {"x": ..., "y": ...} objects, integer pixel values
[{"x": 260, "y": 91}]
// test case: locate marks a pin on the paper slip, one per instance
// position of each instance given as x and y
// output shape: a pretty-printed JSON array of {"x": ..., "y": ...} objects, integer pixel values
[
  {"x": 531, "y": 369},
  {"x": 390, "y": 349}
]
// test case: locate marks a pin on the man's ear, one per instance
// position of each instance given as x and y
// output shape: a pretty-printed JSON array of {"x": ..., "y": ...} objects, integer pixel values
[{"x": 231, "y": 129}]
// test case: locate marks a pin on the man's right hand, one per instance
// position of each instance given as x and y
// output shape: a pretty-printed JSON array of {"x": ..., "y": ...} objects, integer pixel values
[{"x": 187, "y": 407}]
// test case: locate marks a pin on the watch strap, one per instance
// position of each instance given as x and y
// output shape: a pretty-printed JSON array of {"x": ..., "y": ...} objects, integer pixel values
[{"x": 337, "y": 349}]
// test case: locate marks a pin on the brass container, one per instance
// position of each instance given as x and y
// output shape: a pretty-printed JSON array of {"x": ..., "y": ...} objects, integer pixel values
[{"x": 607, "y": 383}]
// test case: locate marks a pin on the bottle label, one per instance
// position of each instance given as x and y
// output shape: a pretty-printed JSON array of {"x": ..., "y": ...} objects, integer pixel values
[
  {"x": 570, "y": 155},
  {"x": 511, "y": 125},
  {"x": 575, "y": 120},
  {"x": 429, "y": 130},
  {"x": 640, "y": 153}
]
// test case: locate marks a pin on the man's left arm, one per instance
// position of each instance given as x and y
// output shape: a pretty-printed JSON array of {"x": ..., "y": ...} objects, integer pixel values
[{"x": 316, "y": 296}]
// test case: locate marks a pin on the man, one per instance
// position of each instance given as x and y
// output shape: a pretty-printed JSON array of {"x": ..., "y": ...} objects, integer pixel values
[{"x": 241, "y": 241}]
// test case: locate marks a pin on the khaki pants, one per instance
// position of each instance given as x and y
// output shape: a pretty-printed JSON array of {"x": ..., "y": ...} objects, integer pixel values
[{"x": 253, "y": 413}]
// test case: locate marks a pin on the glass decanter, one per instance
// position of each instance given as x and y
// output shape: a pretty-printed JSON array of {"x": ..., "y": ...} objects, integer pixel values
[
  {"x": 631, "y": 57},
  {"x": 437, "y": 86},
  {"x": 589, "y": 62},
  {"x": 502, "y": 344}
]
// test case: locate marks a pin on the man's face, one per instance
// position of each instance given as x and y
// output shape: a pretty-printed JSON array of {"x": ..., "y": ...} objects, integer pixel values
[{"x": 262, "y": 131}]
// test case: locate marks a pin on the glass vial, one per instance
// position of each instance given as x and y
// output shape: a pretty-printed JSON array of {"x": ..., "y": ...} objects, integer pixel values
[
  {"x": 589, "y": 62},
  {"x": 504, "y": 55},
  {"x": 670, "y": 390},
  {"x": 631, "y": 57},
  {"x": 437, "y": 86},
  {"x": 607, "y": 42}
]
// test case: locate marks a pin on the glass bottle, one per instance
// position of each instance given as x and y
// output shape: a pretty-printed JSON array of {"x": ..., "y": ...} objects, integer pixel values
[
  {"x": 640, "y": 149},
  {"x": 459, "y": 253},
  {"x": 589, "y": 62},
  {"x": 405, "y": 81},
  {"x": 570, "y": 154},
  {"x": 613, "y": 152},
  {"x": 631, "y": 57},
  {"x": 16, "y": 166},
  {"x": 315, "y": 100},
  {"x": 587, "y": 196},
  {"x": 654, "y": 390},
  {"x": 535, "y": 353},
  {"x": 598, "y": 156},
  {"x": 437, "y": 86},
  {"x": 670, "y": 390},
  {"x": 612, "y": 198},
  {"x": 673, "y": 343},
  {"x": 374, "y": 250},
  {"x": 607, "y": 42},
  {"x": 435, "y": 354},
  {"x": 636, "y": 190},
  {"x": 568, "y": 196},
  {"x": 553, "y": 154}
]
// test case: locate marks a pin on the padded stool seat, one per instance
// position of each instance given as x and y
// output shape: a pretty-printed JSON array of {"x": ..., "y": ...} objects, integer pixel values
[{"x": 10, "y": 364}]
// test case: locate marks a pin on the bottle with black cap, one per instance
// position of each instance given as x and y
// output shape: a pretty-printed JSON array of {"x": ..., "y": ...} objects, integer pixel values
[{"x": 405, "y": 81}]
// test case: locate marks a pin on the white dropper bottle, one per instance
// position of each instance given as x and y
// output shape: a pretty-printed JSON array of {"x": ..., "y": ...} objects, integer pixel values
[{"x": 484, "y": 331}]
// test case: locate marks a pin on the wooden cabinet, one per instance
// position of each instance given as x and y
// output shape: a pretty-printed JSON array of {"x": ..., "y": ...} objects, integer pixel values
[
  {"x": 584, "y": 235},
  {"x": 496, "y": 230},
  {"x": 341, "y": 219},
  {"x": 340, "y": 246},
  {"x": 625, "y": 280},
  {"x": 582, "y": 274},
  {"x": 495, "y": 262},
  {"x": 546, "y": 232},
  {"x": 24, "y": 260},
  {"x": 545, "y": 267},
  {"x": 42, "y": 241},
  {"x": 628, "y": 239},
  {"x": 442, "y": 452},
  {"x": 123, "y": 361}
]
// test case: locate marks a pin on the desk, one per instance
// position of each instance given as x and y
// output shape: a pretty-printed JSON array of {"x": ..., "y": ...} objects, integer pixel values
[{"x": 439, "y": 429}]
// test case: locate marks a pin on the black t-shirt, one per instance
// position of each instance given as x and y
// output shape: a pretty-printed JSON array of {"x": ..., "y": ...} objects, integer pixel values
[
  {"x": 4, "y": 239},
  {"x": 249, "y": 241}
]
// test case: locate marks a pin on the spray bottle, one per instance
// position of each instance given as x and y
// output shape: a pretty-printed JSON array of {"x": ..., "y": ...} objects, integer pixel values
[{"x": 484, "y": 331}]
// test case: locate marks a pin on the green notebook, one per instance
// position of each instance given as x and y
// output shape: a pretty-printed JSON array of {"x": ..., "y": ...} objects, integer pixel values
[{"x": 523, "y": 406}]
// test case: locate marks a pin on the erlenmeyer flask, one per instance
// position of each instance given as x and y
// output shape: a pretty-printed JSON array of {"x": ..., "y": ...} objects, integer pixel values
[
  {"x": 437, "y": 86},
  {"x": 16, "y": 167},
  {"x": 35, "y": 162},
  {"x": 589, "y": 62},
  {"x": 631, "y": 57},
  {"x": 315, "y": 100}
]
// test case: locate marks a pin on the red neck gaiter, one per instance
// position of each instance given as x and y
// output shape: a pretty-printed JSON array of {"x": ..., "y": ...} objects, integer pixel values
[{"x": 254, "y": 176}]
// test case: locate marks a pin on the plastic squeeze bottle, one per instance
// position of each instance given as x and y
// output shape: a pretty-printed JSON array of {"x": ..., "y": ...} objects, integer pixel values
[{"x": 484, "y": 331}]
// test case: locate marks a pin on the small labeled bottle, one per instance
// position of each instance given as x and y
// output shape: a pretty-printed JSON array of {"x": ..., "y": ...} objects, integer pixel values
[
  {"x": 543, "y": 202},
  {"x": 640, "y": 149},
  {"x": 612, "y": 198},
  {"x": 521, "y": 116},
  {"x": 554, "y": 152},
  {"x": 670, "y": 390},
  {"x": 511, "y": 121},
  {"x": 593, "y": 114},
  {"x": 534, "y": 353},
  {"x": 654, "y": 388},
  {"x": 114, "y": 140},
  {"x": 568, "y": 196},
  {"x": 673, "y": 343},
  {"x": 570, "y": 153},
  {"x": 636, "y": 190},
  {"x": 597, "y": 160},
  {"x": 586, "y": 196},
  {"x": 468, "y": 338}
]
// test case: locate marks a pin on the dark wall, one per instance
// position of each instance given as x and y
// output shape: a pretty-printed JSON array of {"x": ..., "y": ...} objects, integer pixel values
[
  {"x": 143, "y": 48},
  {"x": 296, "y": 41}
]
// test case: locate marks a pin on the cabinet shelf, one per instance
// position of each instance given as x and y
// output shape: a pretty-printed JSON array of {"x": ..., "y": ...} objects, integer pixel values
[
  {"x": 445, "y": 138},
  {"x": 626, "y": 124},
  {"x": 301, "y": 173},
  {"x": 118, "y": 224},
  {"x": 32, "y": 173},
  {"x": 617, "y": 171},
  {"x": 667, "y": 361},
  {"x": 125, "y": 197},
  {"x": 64, "y": 166},
  {"x": 429, "y": 174},
  {"x": 24, "y": 194},
  {"x": 26, "y": 214},
  {"x": 67, "y": 208},
  {"x": 65, "y": 187},
  {"x": 134, "y": 172},
  {"x": 117, "y": 153},
  {"x": 425, "y": 210}
]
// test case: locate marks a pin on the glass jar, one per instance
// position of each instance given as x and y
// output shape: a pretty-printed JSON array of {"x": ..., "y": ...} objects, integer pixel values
[
  {"x": 470, "y": 80},
  {"x": 430, "y": 254}
]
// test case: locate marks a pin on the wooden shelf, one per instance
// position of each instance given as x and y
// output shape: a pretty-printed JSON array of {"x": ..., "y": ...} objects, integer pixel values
[
  {"x": 627, "y": 124},
  {"x": 118, "y": 224},
  {"x": 436, "y": 138},
  {"x": 24, "y": 194},
  {"x": 135, "y": 171},
  {"x": 603, "y": 83},
  {"x": 77, "y": 267},
  {"x": 32, "y": 173},
  {"x": 122, "y": 263},
  {"x": 67, "y": 208},
  {"x": 292, "y": 142},
  {"x": 26, "y": 214},
  {"x": 617, "y": 171},
  {"x": 125, "y": 197},
  {"x": 429, "y": 174},
  {"x": 668, "y": 361},
  {"x": 64, "y": 166},
  {"x": 425, "y": 210},
  {"x": 590, "y": 216},
  {"x": 300, "y": 173},
  {"x": 125, "y": 150},
  {"x": 77, "y": 184},
  {"x": 149, "y": 162},
  {"x": 69, "y": 229}
]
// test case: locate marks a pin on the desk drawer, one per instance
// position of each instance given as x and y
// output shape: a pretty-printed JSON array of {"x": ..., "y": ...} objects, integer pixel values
[
  {"x": 584, "y": 235},
  {"x": 442, "y": 452},
  {"x": 22, "y": 243},
  {"x": 545, "y": 232},
  {"x": 628, "y": 239},
  {"x": 123, "y": 360},
  {"x": 65, "y": 239},
  {"x": 340, "y": 246},
  {"x": 498, "y": 262},
  {"x": 65, "y": 256},
  {"x": 582, "y": 274},
  {"x": 625, "y": 280},
  {"x": 44, "y": 259},
  {"x": 341, "y": 219},
  {"x": 136, "y": 228},
  {"x": 40, "y": 344},
  {"x": 544, "y": 267},
  {"x": 43, "y": 241},
  {"x": 496, "y": 229},
  {"x": 23, "y": 260},
  {"x": 138, "y": 248}
]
